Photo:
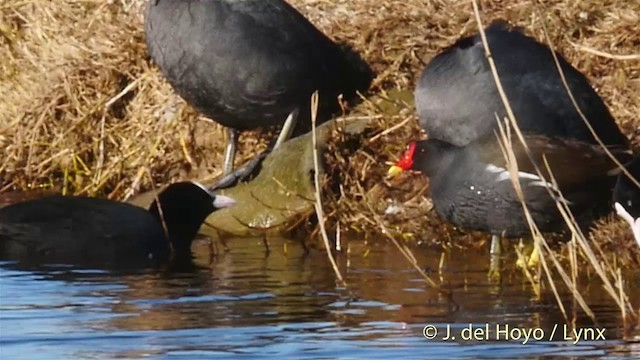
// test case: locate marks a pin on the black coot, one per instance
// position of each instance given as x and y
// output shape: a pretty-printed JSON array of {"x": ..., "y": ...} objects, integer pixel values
[
  {"x": 101, "y": 232},
  {"x": 626, "y": 192},
  {"x": 471, "y": 186},
  {"x": 457, "y": 99},
  {"x": 251, "y": 63}
]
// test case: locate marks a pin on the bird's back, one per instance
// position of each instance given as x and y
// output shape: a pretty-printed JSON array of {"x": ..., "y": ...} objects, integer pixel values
[
  {"x": 457, "y": 98},
  {"x": 79, "y": 230},
  {"x": 247, "y": 64}
]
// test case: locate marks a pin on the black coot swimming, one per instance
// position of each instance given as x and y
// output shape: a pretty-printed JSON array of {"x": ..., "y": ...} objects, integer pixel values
[
  {"x": 251, "y": 63},
  {"x": 101, "y": 232},
  {"x": 457, "y": 98},
  {"x": 472, "y": 188}
]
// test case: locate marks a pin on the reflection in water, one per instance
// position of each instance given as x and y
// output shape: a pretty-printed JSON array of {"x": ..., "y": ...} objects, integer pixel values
[{"x": 286, "y": 304}]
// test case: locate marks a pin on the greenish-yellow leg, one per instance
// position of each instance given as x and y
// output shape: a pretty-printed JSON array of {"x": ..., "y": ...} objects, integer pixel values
[{"x": 495, "y": 266}]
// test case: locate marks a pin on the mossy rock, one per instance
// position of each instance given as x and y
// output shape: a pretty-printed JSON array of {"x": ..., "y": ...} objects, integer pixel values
[{"x": 282, "y": 194}]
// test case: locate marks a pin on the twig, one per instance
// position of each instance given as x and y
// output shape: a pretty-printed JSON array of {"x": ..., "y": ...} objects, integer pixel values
[
  {"x": 163, "y": 222},
  {"x": 391, "y": 129},
  {"x": 100, "y": 162},
  {"x": 107, "y": 105},
  {"x": 316, "y": 180},
  {"x": 605, "y": 54}
]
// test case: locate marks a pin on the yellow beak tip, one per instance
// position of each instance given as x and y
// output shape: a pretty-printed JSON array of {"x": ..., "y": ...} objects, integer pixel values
[{"x": 394, "y": 171}]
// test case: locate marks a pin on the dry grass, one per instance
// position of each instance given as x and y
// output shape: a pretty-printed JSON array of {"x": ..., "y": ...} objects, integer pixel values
[{"x": 83, "y": 111}]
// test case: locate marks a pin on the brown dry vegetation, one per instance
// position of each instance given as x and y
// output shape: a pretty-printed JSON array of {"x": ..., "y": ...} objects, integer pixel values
[{"x": 83, "y": 111}]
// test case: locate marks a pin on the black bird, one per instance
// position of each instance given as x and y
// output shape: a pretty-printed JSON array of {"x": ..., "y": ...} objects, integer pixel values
[
  {"x": 626, "y": 192},
  {"x": 106, "y": 233},
  {"x": 472, "y": 188},
  {"x": 251, "y": 64},
  {"x": 457, "y": 98}
]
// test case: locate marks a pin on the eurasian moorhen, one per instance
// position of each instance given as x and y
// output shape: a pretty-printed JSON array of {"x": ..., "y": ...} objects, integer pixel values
[
  {"x": 101, "y": 232},
  {"x": 471, "y": 186},
  {"x": 251, "y": 64},
  {"x": 457, "y": 98},
  {"x": 626, "y": 192}
]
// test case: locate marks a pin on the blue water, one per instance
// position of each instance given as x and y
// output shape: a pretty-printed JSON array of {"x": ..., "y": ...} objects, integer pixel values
[{"x": 288, "y": 305}]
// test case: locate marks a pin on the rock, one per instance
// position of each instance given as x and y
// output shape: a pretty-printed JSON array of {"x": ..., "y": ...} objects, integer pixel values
[{"x": 281, "y": 194}]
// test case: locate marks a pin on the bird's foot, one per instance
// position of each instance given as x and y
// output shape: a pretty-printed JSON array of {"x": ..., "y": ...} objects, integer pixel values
[{"x": 242, "y": 174}]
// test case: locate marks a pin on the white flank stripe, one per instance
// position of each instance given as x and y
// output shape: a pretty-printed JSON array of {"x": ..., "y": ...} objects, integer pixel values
[
  {"x": 494, "y": 169},
  {"x": 526, "y": 175},
  {"x": 503, "y": 174},
  {"x": 541, "y": 183}
]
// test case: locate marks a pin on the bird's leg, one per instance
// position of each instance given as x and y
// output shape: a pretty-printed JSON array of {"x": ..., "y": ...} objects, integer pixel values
[
  {"x": 265, "y": 242},
  {"x": 230, "y": 177},
  {"x": 496, "y": 246},
  {"x": 287, "y": 128},
  {"x": 213, "y": 250},
  {"x": 304, "y": 247},
  {"x": 230, "y": 150},
  {"x": 496, "y": 253},
  {"x": 534, "y": 258}
]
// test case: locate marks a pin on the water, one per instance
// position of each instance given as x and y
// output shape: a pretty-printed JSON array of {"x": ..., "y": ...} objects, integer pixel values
[{"x": 244, "y": 304}]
